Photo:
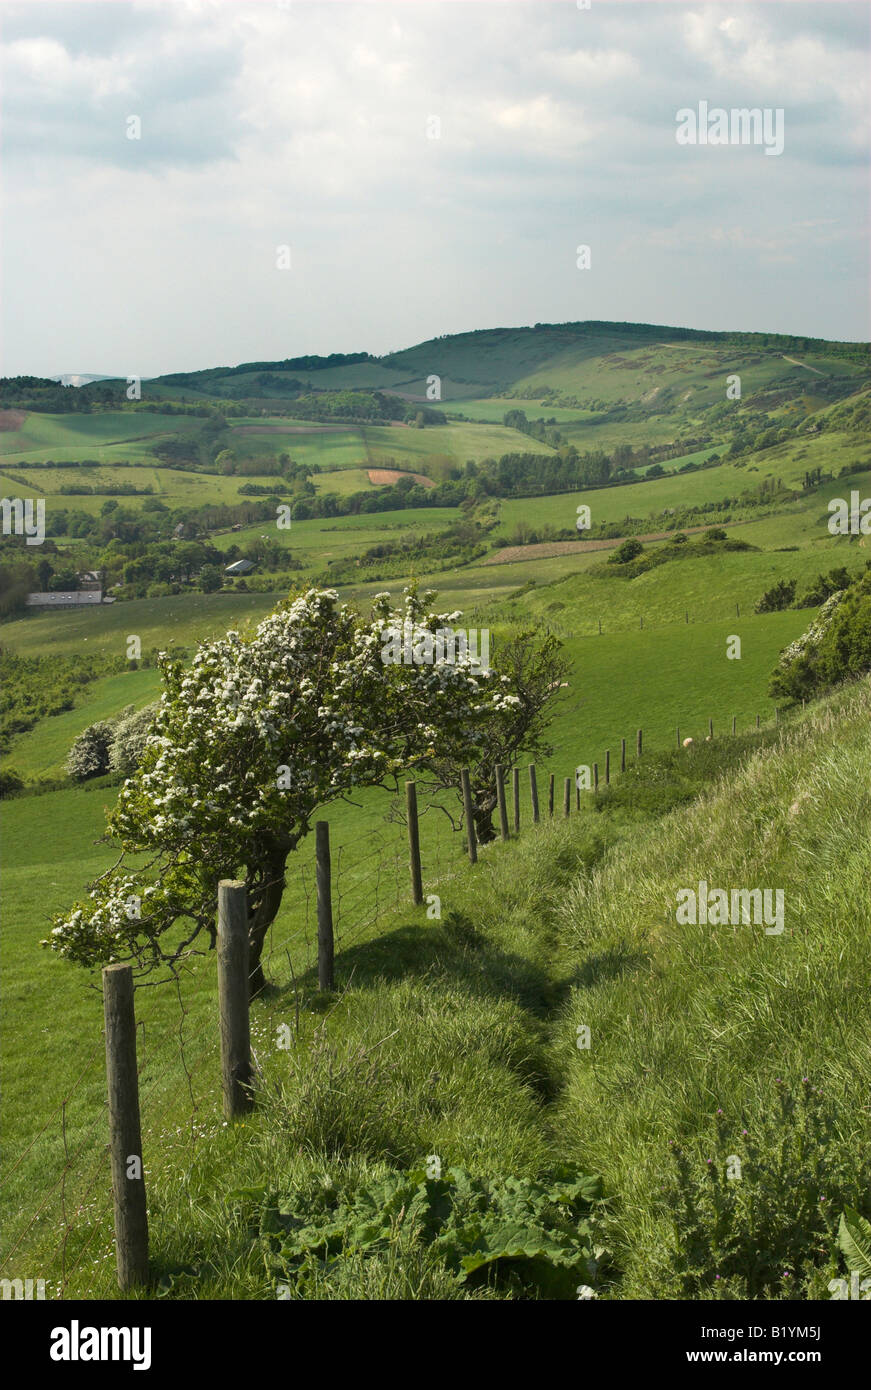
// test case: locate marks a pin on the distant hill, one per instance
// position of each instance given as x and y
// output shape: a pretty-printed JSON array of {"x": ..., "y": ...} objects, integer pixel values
[
  {"x": 528, "y": 400},
  {"x": 80, "y": 378},
  {"x": 585, "y": 367},
  {"x": 580, "y": 366}
]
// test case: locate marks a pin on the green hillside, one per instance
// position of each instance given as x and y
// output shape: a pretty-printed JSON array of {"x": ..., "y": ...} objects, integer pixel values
[
  {"x": 706, "y": 1043},
  {"x": 474, "y": 1015}
]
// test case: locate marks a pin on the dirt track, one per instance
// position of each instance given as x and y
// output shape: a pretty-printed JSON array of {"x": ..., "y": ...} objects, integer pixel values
[
  {"x": 287, "y": 429},
  {"x": 545, "y": 550},
  {"x": 382, "y": 476}
]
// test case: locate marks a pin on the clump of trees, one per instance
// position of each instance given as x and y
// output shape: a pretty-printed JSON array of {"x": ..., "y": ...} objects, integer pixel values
[
  {"x": 110, "y": 745},
  {"x": 778, "y": 597},
  {"x": 629, "y": 550},
  {"x": 631, "y": 559},
  {"x": 35, "y": 687},
  {"x": 782, "y": 594}
]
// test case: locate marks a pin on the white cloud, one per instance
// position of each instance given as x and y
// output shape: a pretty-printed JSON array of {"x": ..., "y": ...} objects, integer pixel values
[{"x": 307, "y": 124}]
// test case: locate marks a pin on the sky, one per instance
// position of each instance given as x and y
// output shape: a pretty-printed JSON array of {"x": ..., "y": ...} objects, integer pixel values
[{"x": 431, "y": 168}]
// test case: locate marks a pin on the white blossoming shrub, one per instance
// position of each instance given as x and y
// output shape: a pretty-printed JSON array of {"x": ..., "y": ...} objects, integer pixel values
[
  {"x": 129, "y": 738},
  {"x": 250, "y": 741},
  {"x": 89, "y": 755}
]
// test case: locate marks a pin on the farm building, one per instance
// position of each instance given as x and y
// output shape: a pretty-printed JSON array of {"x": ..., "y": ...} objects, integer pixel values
[
  {"x": 240, "y": 567},
  {"x": 68, "y": 598}
]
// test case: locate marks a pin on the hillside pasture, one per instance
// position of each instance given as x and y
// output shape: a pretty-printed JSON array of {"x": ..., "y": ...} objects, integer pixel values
[
  {"x": 711, "y": 588},
  {"x": 178, "y": 620},
  {"x": 42, "y": 751},
  {"x": 492, "y": 409},
  {"x": 43, "y": 436},
  {"x": 176, "y": 488}
]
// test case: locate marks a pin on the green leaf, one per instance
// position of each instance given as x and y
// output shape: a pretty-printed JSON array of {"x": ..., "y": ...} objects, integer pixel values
[
  {"x": 854, "y": 1238},
  {"x": 247, "y": 1194},
  {"x": 540, "y": 1231}
]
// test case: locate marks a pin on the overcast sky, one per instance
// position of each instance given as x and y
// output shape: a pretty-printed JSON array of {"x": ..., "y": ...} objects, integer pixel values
[{"x": 306, "y": 124}]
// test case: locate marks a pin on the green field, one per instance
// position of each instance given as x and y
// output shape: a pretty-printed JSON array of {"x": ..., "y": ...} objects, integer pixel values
[
  {"x": 477, "y": 1011},
  {"x": 174, "y": 487},
  {"x": 42, "y": 751},
  {"x": 491, "y": 410},
  {"x": 671, "y": 992},
  {"x": 784, "y": 463},
  {"x": 159, "y": 622},
  {"x": 78, "y": 436}
]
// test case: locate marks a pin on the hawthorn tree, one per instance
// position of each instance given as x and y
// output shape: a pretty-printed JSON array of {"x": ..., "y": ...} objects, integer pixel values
[
  {"x": 248, "y": 742},
  {"x": 90, "y": 755},
  {"x": 534, "y": 669}
]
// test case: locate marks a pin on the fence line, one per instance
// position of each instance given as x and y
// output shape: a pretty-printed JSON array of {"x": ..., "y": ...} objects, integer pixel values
[{"x": 346, "y": 906}]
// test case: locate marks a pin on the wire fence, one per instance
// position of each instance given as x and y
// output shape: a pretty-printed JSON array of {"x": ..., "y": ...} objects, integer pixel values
[
  {"x": 61, "y": 1176},
  {"x": 58, "y": 1183}
]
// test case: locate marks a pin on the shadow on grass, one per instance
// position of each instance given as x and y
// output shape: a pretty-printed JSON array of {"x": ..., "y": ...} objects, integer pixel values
[
  {"x": 450, "y": 952},
  {"x": 608, "y": 965}
]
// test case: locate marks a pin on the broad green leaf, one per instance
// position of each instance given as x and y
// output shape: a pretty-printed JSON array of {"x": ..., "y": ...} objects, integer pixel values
[{"x": 854, "y": 1238}]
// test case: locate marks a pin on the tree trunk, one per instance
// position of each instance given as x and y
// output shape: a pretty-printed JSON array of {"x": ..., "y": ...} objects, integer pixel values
[
  {"x": 265, "y": 892},
  {"x": 256, "y": 977},
  {"x": 484, "y": 819}
]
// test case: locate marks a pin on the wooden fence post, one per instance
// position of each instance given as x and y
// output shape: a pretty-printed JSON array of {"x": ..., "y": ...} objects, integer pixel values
[
  {"x": 622, "y": 755},
  {"x": 550, "y": 797},
  {"x": 686, "y": 614},
  {"x": 234, "y": 988},
  {"x": 500, "y": 800},
  {"x": 757, "y": 721},
  {"x": 608, "y": 767},
  {"x": 326, "y": 946},
  {"x": 596, "y": 778},
  {"x": 638, "y": 744},
  {"x": 710, "y": 728},
  {"x": 515, "y": 791},
  {"x": 734, "y": 723},
  {"x": 413, "y": 842},
  {"x": 125, "y": 1134},
  {"x": 470, "y": 817},
  {"x": 600, "y": 627},
  {"x": 678, "y": 735},
  {"x": 533, "y": 794},
  {"x": 567, "y": 797}
]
